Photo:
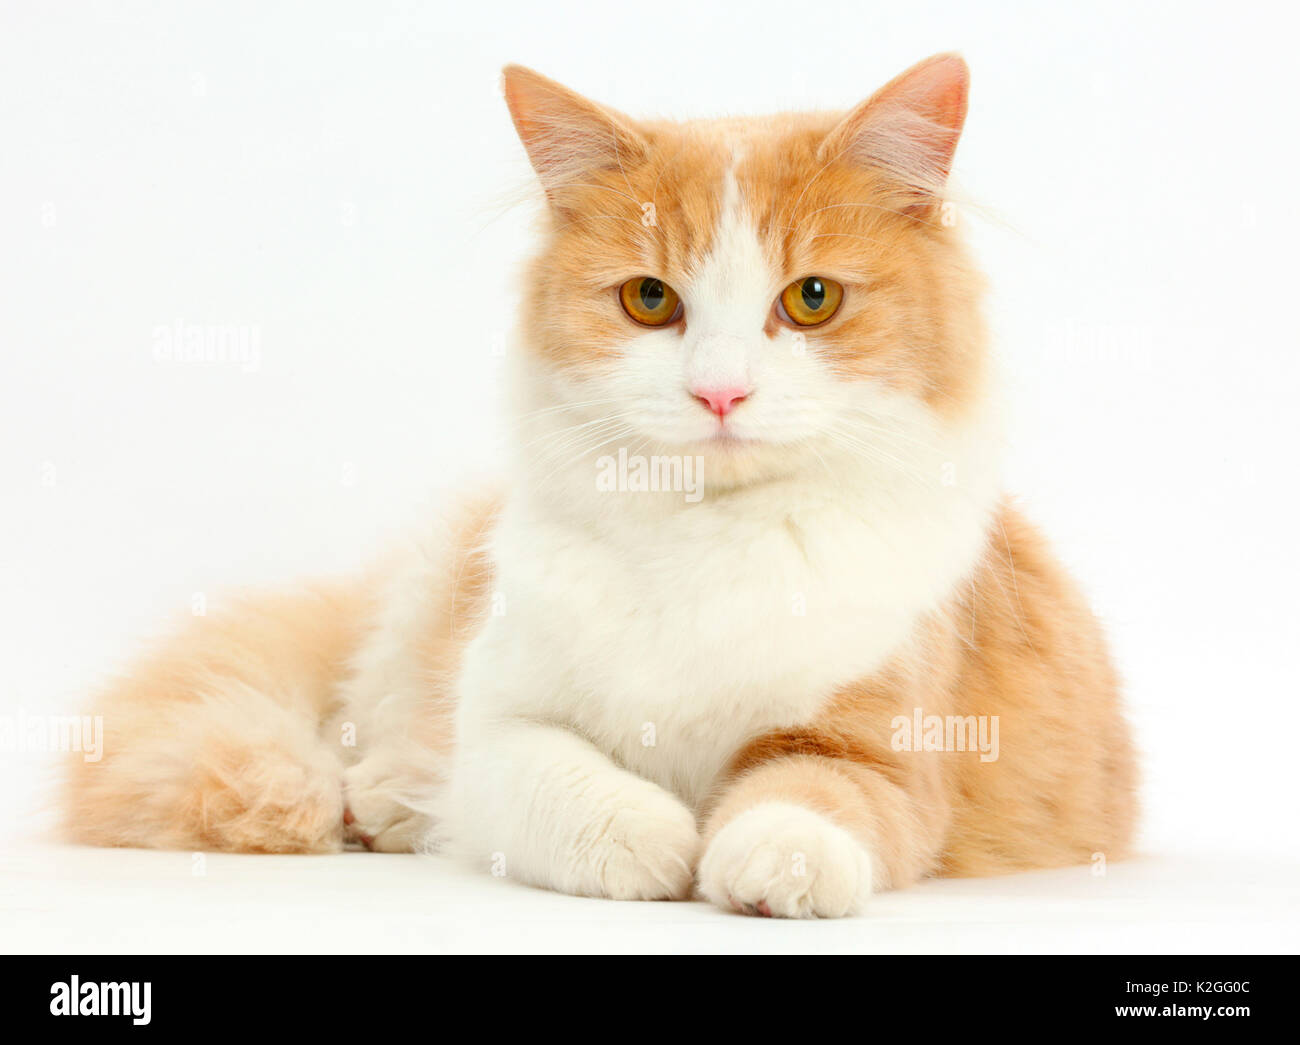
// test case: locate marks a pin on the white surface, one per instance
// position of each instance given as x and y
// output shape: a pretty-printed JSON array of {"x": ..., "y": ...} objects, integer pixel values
[
  {"x": 334, "y": 177},
  {"x": 69, "y": 900}
]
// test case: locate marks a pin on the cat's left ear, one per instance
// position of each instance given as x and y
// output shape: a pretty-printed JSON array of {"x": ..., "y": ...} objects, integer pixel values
[
  {"x": 909, "y": 127},
  {"x": 567, "y": 136}
]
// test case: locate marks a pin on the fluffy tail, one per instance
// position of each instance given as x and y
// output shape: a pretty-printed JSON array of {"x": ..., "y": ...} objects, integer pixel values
[{"x": 213, "y": 741}]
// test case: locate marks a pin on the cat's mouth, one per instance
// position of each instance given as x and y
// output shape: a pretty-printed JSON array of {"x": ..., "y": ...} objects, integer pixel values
[
  {"x": 727, "y": 437},
  {"x": 728, "y": 460},
  {"x": 726, "y": 444}
]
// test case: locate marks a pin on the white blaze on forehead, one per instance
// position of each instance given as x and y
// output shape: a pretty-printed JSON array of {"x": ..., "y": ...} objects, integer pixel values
[
  {"x": 731, "y": 289},
  {"x": 728, "y": 295}
]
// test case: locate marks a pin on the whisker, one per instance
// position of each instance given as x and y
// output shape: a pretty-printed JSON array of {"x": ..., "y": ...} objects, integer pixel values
[{"x": 587, "y": 452}]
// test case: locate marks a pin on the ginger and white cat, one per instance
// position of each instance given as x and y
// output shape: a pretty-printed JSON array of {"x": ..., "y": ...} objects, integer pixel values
[{"x": 617, "y": 691}]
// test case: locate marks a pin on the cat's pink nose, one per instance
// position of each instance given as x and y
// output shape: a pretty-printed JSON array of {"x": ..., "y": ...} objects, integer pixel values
[{"x": 720, "y": 400}]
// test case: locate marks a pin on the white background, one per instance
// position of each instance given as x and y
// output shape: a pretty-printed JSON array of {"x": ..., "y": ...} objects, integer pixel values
[{"x": 343, "y": 179}]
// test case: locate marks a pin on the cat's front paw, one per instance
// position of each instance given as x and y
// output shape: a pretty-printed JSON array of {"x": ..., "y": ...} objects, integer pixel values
[
  {"x": 645, "y": 850},
  {"x": 786, "y": 861},
  {"x": 378, "y": 811}
]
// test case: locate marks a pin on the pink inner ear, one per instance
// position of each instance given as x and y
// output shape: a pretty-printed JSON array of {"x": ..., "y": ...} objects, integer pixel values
[
  {"x": 911, "y": 125},
  {"x": 536, "y": 105},
  {"x": 938, "y": 89},
  {"x": 564, "y": 134}
]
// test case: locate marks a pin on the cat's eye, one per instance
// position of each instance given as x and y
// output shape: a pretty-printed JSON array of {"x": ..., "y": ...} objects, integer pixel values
[
  {"x": 650, "y": 301},
  {"x": 809, "y": 301}
]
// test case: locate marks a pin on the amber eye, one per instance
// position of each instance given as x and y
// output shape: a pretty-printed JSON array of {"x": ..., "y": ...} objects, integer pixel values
[
  {"x": 809, "y": 301},
  {"x": 650, "y": 301}
]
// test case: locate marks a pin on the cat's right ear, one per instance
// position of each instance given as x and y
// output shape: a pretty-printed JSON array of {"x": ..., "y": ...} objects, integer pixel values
[{"x": 567, "y": 136}]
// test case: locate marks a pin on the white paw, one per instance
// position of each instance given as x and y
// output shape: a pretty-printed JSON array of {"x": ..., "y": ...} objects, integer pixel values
[
  {"x": 644, "y": 850},
  {"x": 376, "y": 814},
  {"x": 785, "y": 861}
]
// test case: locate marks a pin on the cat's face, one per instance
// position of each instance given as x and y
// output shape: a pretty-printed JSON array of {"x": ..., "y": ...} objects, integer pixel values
[{"x": 762, "y": 292}]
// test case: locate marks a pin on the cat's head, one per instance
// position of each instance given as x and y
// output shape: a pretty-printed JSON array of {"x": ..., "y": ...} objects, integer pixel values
[{"x": 766, "y": 293}]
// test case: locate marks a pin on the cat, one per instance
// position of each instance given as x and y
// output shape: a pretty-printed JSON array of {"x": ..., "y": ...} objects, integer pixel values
[{"x": 753, "y": 603}]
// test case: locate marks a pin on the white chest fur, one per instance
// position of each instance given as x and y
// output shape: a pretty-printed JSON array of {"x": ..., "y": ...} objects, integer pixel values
[{"x": 669, "y": 633}]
